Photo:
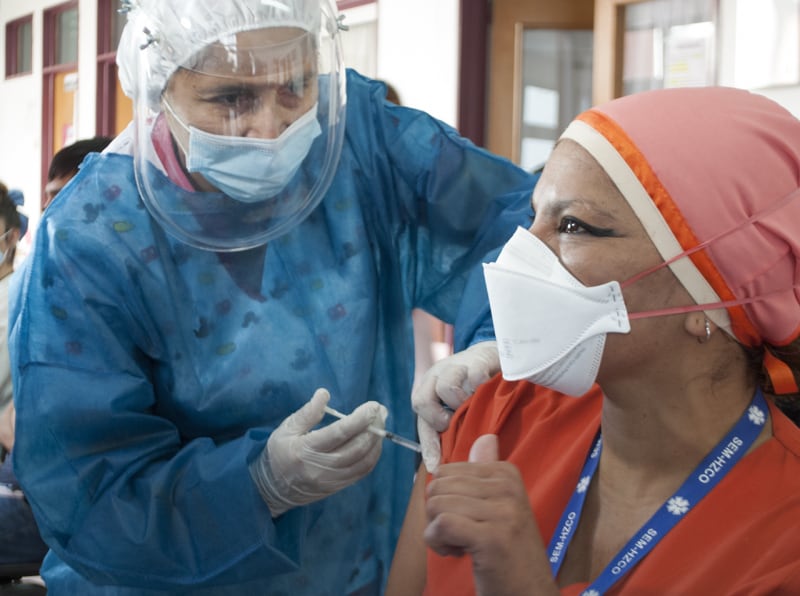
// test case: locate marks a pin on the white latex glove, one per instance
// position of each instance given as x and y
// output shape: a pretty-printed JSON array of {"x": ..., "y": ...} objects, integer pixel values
[
  {"x": 449, "y": 382},
  {"x": 299, "y": 465}
]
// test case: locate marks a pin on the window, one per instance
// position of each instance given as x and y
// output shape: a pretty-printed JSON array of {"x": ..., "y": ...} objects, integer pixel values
[
  {"x": 344, "y": 4},
  {"x": 19, "y": 44},
  {"x": 760, "y": 43},
  {"x": 669, "y": 43},
  {"x": 556, "y": 87},
  {"x": 114, "y": 109},
  {"x": 649, "y": 44}
]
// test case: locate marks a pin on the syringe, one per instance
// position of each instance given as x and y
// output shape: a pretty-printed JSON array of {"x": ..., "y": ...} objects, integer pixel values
[{"x": 403, "y": 442}]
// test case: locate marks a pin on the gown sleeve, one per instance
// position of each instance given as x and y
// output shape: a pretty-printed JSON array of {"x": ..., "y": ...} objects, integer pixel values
[
  {"x": 119, "y": 493},
  {"x": 452, "y": 203}
]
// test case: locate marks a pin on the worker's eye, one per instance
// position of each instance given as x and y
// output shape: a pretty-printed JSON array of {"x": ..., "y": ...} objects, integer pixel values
[
  {"x": 292, "y": 92},
  {"x": 297, "y": 86},
  {"x": 234, "y": 101}
]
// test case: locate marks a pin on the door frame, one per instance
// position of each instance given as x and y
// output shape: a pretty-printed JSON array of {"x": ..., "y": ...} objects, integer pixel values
[
  {"x": 50, "y": 71},
  {"x": 510, "y": 18},
  {"x": 475, "y": 21},
  {"x": 609, "y": 39}
]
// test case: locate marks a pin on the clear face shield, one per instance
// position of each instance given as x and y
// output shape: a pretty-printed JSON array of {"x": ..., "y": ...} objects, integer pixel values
[{"x": 244, "y": 139}]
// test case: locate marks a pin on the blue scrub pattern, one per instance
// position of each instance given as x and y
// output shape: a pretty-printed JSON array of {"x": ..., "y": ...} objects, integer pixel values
[{"x": 148, "y": 374}]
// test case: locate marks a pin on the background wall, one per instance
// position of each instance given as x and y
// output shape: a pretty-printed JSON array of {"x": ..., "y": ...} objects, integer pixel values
[
  {"x": 411, "y": 43},
  {"x": 418, "y": 51},
  {"x": 758, "y": 48}
]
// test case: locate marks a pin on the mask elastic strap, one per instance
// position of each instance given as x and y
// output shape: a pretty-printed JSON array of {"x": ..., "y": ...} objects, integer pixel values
[
  {"x": 752, "y": 219},
  {"x": 180, "y": 122},
  {"x": 679, "y": 310},
  {"x": 780, "y": 374}
]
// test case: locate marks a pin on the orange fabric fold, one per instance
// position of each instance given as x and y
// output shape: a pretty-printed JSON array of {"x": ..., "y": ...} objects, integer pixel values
[{"x": 781, "y": 376}]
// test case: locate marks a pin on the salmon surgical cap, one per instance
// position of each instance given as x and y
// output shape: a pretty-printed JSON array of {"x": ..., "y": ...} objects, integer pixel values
[{"x": 716, "y": 168}]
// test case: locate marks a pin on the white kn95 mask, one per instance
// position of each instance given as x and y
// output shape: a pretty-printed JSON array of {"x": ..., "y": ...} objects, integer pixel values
[{"x": 550, "y": 328}]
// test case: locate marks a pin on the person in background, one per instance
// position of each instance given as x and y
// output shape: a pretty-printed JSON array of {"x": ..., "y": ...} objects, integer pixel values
[
  {"x": 246, "y": 254},
  {"x": 662, "y": 264},
  {"x": 15, "y": 224},
  {"x": 62, "y": 169},
  {"x": 391, "y": 94},
  {"x": 65, "y": 163},
  {"x": 20, "y": 541}
]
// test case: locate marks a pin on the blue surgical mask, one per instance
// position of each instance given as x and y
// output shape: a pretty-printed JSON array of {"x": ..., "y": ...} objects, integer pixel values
[{"x": 248, "y": 169}]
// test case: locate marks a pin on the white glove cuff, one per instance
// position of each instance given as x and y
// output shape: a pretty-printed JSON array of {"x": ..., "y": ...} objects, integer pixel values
[{"x": 261, "y": 473}]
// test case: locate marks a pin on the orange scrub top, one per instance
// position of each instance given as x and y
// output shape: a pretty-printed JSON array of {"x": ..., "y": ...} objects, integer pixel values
[{"x": 742, "y": 538}]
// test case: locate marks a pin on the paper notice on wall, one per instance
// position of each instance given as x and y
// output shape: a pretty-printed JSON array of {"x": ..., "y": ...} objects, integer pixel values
[
  {"x": 71, "y": 82},
  {"x": 689, "y": 56},
  {"x": 68, "y": 135}
]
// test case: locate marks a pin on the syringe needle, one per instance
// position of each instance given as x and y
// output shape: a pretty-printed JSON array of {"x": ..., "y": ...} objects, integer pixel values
[
  {"x": 402, "y": 441},
  {"x": 397, "y": 440}
]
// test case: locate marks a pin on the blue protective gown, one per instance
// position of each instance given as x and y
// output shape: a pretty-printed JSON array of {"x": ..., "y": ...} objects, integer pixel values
[{"x": 149, "y": 374}]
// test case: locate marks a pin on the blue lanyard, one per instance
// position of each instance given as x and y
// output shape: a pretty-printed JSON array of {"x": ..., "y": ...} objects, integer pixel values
[{"x": 700, "y": 482}]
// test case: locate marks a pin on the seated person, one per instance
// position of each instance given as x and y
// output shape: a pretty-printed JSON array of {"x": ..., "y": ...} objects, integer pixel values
[
  {"x": 662, "y": 264},
  {"x": 20, "y": 541}
]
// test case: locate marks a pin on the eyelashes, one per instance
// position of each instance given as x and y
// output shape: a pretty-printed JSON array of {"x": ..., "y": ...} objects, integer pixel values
[{"x": 573, "y": 225}]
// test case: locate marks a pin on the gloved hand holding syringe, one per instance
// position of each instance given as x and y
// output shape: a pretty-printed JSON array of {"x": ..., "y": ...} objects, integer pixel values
[
  {"x": 303, "y": 462},
  {"x": 403, "y": 442}
]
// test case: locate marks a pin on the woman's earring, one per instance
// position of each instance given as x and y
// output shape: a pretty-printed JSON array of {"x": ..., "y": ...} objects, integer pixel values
[{"x": 705, "y": 339}]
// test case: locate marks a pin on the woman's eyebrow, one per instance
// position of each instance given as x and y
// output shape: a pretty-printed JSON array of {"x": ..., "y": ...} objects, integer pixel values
[{"x": 561, "y": 205}]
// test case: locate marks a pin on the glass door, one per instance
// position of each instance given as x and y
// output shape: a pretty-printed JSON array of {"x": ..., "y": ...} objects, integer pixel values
[
  {"x": 556, "y": 87},
  {"x": 540, "y": 74}
]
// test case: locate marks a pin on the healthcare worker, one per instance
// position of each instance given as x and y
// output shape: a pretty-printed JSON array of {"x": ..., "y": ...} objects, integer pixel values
[{"x": 246, "y": 253}]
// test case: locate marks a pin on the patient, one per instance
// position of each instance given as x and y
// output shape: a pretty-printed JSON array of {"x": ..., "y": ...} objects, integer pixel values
[{"x": 664, "y": 264}]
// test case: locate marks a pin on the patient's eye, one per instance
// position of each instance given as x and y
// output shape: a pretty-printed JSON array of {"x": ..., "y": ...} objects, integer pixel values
[
  {"x": 573, "y": 225},
  {"x": 570, "y": 225}
]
